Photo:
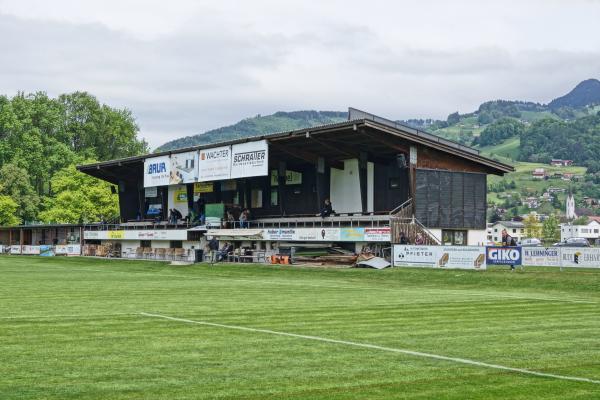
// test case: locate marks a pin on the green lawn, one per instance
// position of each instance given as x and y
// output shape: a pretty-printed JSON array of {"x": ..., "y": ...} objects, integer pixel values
[{"x": 73, "y": 329}]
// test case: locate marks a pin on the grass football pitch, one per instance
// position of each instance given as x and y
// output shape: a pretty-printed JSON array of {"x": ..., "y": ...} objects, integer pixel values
[{"x": 74, "y": 328}]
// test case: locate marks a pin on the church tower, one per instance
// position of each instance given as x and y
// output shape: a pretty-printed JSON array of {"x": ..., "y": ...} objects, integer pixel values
[{"x": 570, "y": 211}]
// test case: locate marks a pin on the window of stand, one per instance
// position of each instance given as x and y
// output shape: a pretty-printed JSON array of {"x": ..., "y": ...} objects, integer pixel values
[
  {"x": 454, "y": 238},
  {"x": 176, "y": 244}
]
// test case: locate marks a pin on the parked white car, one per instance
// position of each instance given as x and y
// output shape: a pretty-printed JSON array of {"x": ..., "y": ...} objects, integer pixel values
[{"x": 531, "y": 242}]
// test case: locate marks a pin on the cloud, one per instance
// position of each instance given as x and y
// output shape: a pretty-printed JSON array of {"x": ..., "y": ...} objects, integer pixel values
[{"x": 185, "y": 67}]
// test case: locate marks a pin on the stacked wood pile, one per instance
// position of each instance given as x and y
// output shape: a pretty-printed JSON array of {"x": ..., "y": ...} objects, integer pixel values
[{"x": 332, "y": 255}]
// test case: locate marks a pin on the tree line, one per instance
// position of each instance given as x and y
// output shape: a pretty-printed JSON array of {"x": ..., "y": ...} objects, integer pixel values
[{"x": 42, "y": 139}]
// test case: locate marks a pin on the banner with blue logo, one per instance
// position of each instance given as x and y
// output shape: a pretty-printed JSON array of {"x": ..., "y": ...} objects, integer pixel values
[
  {"x": 157, "y": 171},
  {"x": 499, "y": 255}
]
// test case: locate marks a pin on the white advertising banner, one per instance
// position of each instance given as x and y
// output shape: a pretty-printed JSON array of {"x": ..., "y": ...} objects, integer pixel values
[
  {"x": 328, "y": 234},
  {"x": 31, "y": 250},
  {"x": 541, "y": 256},
  {"x": 214, "y": 164},
  {"x": 15, "y": 249},
  {"x": 68, "y": 250},
  {"x": 250, "y": 159},
  {"x": 451, "y": 257},
  {"x": 157, "y": 171},
  {"x": 378, "y": 234},
  {"x": 184, "y": 168},
  {"x": 415, "y": 256},
  {"x": 151, "y": 192},
  {"x": 580, "y": 257},
  {"x": 162, "y": 234}
]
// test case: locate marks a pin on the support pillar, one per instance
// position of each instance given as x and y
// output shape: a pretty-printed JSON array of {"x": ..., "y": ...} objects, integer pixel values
[
  {"x": 362, "y": 177},
  {"x": 281, "y": 171},
  {"x": 320, "y": 183}
]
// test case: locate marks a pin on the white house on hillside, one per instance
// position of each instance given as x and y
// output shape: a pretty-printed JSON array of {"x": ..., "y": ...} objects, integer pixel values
[
  {"x": 515, "y": 229},
  {"x": 590, "y": 231}
]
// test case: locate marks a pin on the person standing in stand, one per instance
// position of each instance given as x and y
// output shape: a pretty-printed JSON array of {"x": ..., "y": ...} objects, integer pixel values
[{"x": 213, "y": 246}]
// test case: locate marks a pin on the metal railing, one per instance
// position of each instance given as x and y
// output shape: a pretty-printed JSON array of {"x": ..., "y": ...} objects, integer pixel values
[{"x": 352, "y": 220}]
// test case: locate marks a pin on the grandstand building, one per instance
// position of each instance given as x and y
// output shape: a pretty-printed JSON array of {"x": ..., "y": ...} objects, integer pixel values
[{"x": 385, "y": 181}]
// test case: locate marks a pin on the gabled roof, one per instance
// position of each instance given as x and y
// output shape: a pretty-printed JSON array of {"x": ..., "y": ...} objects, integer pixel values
[
  {"x": 510, "y": 224},
  {"x": 356, "y": 131}
]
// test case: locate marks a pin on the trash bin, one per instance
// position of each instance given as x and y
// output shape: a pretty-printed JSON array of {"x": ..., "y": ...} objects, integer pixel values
[{"x": 199, "y": 255}]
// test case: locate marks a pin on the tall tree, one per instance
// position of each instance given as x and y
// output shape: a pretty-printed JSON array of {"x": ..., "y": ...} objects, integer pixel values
[
  {"x": 550, "y": 229},
  {"x": 15, "y": 184},
  {"x": 79, "y": 198},
  {"x": 8, "y": 210},
  {"x": 533, "y": 228}
]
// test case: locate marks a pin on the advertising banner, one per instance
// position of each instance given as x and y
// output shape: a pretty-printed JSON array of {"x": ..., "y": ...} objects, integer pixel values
[
  {"x": 250, "y": 159},
  {"x": 378, "y": 234},
  {"x": 180, "y": 194},
  {"x": 15, "y": 249},
  {"x": 498, "y": 255},
  {"x": 451, "y": 257},
  {"x": 291, "y": 178},
  {"x": 151, "y": 192},
  {"x": 115, "y": 234},
  {"x": 328, "y": 234},
  {"x": 280, "y": 234},
  {"x": 68, "y": 250},
  {"x": 203, "y": 187},
  {"x": 184, "y": 168},
  {"x": 541, "y": 256},
  {"x": 154, "y": 209},
  {"x": 46, "y": 250},
  {"x": 580, "y": 257},
  {"x": 146, "y": 234},
  {"x": 352, "y": 234},
  {"x": 30, "y": 250},
  {"x": 415, "y": 256},
  {"x": 214, "y": 164},
  {"x": 157, "y": 171}
]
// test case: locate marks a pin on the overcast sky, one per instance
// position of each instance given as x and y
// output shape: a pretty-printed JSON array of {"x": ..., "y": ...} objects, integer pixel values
[{"x": 184, "y": 67}]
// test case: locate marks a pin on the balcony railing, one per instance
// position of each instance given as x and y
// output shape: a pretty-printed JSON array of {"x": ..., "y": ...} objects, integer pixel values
[{"x": 353, "y": 220}]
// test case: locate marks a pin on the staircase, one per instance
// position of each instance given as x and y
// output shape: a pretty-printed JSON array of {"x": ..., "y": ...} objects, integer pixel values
[{"x": 402, "y": 220}]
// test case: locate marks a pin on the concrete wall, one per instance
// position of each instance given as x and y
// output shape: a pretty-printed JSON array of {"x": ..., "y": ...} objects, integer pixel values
[{"x": 345, "y": 187}]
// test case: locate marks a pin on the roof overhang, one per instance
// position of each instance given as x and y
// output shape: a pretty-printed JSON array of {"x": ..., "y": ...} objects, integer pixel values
[{"x": 334, "y": 142}]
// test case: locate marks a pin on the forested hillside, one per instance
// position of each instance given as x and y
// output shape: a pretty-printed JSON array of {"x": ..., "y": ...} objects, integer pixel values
[
  {"x": 259, "y": 125},
  {"x": 524, "y": 133},
  {"x": 42, "y": 138}
]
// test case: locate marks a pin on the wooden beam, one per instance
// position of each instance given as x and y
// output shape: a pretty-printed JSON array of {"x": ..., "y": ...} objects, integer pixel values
[
  {"x": 334, "y": 148},
  {"x": 308, "y": 157},
  {"x": 386, "y": 142}
]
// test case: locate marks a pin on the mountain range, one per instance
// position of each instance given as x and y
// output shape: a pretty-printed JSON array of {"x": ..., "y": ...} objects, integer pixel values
[{"x": 579, "y": 102}]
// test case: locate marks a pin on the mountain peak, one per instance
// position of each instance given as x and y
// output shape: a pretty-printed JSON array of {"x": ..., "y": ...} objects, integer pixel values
[{"x": 585, "y": 93}]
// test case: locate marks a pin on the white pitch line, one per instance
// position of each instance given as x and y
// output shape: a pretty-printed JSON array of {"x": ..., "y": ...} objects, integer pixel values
[{"x": 381, "y": 348}]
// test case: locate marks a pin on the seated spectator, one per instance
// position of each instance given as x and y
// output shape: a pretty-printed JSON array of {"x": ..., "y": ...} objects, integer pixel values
[
  {"x": 327, "y": 209},
  {"x": 419, "y": 240},
  {"x": 244, "y": 219},
  {"x": 403, "y": 238},
  {"x": 223, "y": 252}
]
